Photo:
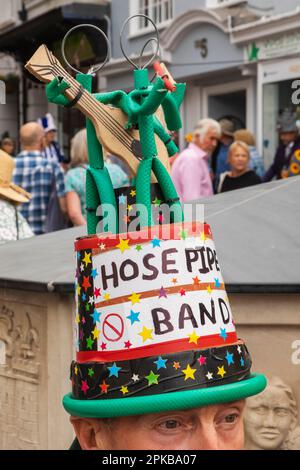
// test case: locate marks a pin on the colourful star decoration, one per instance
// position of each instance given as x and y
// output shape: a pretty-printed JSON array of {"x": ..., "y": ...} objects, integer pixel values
[
  {"x": 193, "y": 338},
  {"x": 152, "y": 378},
  {"x": 134, "y": 298},
  {"x": 189, "y": 373},
  {"x": 146, "y": 334},
  {"x": 123, "y": 245}
]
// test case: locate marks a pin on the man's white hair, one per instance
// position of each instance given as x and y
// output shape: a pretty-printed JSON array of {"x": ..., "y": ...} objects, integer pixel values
[{"x": 205, "y": 125}]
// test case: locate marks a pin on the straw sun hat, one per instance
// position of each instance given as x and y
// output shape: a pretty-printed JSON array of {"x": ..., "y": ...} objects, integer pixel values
[{"x": 8, "y": 190}]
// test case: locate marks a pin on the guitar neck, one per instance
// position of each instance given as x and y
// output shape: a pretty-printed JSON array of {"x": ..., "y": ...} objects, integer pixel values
[{"x": 44, "y": 66}]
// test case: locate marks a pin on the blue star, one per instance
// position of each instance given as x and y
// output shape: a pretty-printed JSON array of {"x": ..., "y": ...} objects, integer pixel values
[
  {"x": 78, "y": 255},
  {"x": 94, "y": 273},
  {"x": 155, "y": 242},
  {"x": 83, "y": 296},
  {"x": 161, "y": 363},
  {"x": 217, "y": 281},
  {"x": 134, "y": 316},
  {"x": 242, "y": 362},
  {"x": 96, "y": 316},
  {"x": 122, "y": 199},
  {"x": 223, "y": 333},
  {"x": 114, "y": 370},
  {"x": 229, "y": 358}
]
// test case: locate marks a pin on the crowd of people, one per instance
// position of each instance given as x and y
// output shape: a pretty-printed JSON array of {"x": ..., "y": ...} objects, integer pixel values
[
  {"x": 219, "y": 158},
  {"x": 41, "y": 190}
]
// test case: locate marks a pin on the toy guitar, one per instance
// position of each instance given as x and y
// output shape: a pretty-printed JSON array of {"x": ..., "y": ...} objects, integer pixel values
[{"x": 109, "y": 122}]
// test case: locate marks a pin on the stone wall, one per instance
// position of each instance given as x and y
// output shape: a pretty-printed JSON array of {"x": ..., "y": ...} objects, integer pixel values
[{"x": 36, "y": 338}]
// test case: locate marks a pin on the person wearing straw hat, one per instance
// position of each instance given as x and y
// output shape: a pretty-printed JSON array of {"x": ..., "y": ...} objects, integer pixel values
[{"x": 13, "y": 226}]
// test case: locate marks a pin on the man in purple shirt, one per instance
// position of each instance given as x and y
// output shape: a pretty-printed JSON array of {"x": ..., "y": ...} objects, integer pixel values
[{"x": 190, "y": 171}]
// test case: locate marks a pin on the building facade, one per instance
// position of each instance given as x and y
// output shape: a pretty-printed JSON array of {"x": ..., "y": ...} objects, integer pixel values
[{"x": 239, "y": 58}]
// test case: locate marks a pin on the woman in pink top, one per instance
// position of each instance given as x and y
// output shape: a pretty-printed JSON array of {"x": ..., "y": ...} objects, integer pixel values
[{"x": 190, "y": 171}]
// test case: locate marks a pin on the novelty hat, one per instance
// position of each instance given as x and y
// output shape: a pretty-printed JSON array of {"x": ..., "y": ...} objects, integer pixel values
[
  {"x": 154, "y": 329},
  {"x": 47, "y": 123}
]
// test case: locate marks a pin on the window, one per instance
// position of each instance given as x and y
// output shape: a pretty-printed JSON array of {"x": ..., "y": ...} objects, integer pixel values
[{"x": 160, "y": 11}]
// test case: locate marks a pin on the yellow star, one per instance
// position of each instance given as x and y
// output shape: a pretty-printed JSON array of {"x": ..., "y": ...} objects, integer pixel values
[
  {"x": 132, "y": 193},
  {"x": 221, "y": 371},
  {"x": 78, "y": 290},
  {"x": 96, "y": 333},
  {"x": 123, "y": 245},
  {"x": 87, "y": 258},
  {"x": 146, "y": 334},
  {"x": 77, "y": 319},
  {"x": 203, "y": 236},
  {"x": 106, "y": 296},
  {"x": 209, "y": 289},
  {"x": 193, "y": 337},
  {"x": 124, "y": 390},
  {"x": 134, "y": 298},
  {"x": 129, "y": 208},
  {"x": 189, "y": 373},
  {"x": 76, "y": 370}
]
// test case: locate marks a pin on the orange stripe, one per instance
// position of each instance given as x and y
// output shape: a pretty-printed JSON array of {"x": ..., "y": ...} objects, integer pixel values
[{"x": 153, "y": 293}]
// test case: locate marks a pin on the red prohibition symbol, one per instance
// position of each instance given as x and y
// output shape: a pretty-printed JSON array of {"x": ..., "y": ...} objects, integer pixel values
[{"x": 113, "y": 327}]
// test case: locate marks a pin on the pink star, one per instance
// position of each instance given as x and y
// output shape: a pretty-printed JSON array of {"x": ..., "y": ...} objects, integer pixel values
[
  {"x": 127, "y": 344},
  {"x": 103, "y": 346},
  {"x": 97, "y": 292},
  {"x": 83, "y": 320},
  {"x": 84, "y": 386},
  {"x": 162, "y": 293},
  {"x": 202, "y": 360}
]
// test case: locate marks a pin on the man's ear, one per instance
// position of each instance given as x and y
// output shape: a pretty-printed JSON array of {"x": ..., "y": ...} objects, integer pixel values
[{"x": 89, "y": 433}]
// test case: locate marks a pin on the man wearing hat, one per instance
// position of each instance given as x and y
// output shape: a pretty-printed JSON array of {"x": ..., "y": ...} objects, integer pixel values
[
  {"x": 13, "y": 226},
  {"x": 288, "y": 148},
  {"x": 219, "y": 160},
  {"x": 52, "y": 149},
  {"x": 159, "y": 364}
]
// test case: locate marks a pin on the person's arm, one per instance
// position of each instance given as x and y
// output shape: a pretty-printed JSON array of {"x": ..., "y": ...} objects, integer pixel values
[{"x": 74, "y": 209}]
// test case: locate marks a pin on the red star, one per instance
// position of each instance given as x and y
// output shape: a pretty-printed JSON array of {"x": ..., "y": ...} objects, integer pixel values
[
  {"x": 104, "y": 387},
  {"x": 196, "y": 281},
  {"x": 127, "y": 344},
  {"x": 182, "y": 292},
  {"x": 84, "y": 386},
  {"x": 103, "y": 346},
  {"x": 86, "y": 283},
  {"x": 202, "y": 360},
  {"x": 176, "y": 365},
  {"x": 97, "y": 292}
]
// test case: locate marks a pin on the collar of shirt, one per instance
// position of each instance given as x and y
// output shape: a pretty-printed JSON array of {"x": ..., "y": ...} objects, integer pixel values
[
  {"x": 198, "y": 151},
  {"x": 30, "y": 153}
]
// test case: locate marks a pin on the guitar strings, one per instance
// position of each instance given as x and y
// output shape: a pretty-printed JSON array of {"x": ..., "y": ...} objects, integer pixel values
[
  {"x": 114, "y": 127},
  {"x": 95, "y": 105}
]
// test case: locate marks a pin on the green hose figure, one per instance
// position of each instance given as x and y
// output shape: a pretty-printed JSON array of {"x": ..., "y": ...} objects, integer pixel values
[{"x": 140, "y": 106}]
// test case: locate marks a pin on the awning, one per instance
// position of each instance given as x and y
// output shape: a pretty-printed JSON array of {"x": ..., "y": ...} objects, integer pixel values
[{"x": 51, "y": 27}]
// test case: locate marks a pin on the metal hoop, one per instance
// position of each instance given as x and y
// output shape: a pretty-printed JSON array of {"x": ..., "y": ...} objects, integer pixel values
[
  {"x": 93, "y": 69},
  {"x": 156, "y": 39}
]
